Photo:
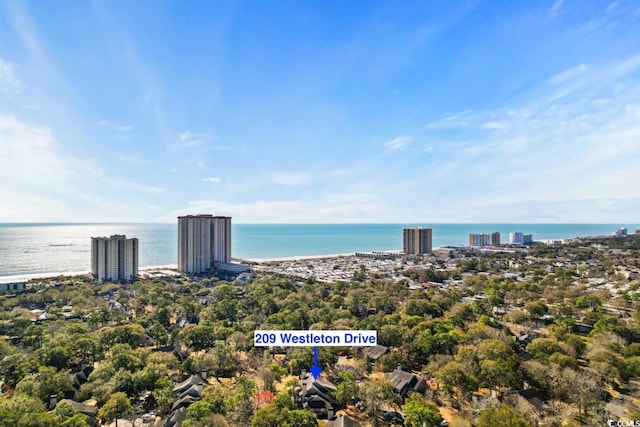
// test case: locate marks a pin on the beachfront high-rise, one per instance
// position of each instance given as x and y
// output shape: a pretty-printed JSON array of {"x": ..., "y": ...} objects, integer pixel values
[
  {"x": 114, "y": 258},
  {"x": 484, "y": 239},
  {"x": 417, "y": 240},
  {"x": 203, "y": 240},
  {"x": 519, "y": 238}
]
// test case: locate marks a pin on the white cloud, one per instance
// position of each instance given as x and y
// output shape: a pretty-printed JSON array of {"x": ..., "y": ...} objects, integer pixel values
[
  {"x": 40, "y": 181},
  {"x": 550, "y": 153},
  {"x": 116, "y": 127},
  {"x": 204, "y": 140},
  {"x": 31, "y": 156},
  {"x": 334, "y": 209},
  {"x": 211, "y": 179},
  {"x": 556, "y": 5},
  {"x": 131, "y": 185},
  {"x": 9, "y": 81},
  {"x": 339, "y": 172},
  {"x": 493, "y": 125},
  {"x": 133, "y": 159},
  {"x": 349, "y": 198},
  {"x": 568, "y": 74},
  {"x": 290, "y": 179},
  {"x": 451, "y": 121},
  {"x": 398, "y": 143}
]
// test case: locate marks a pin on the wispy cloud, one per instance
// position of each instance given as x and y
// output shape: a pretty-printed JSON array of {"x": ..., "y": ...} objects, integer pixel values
[
  {"x": 121, "y": 132},
  {"x": 128, "y": 184},
  {"x": 9, "y": 81},
  {"x": 450, "y": 121},
  {"x": 47, "y": 183},
  {"x": 203, "y": 140},
  {"x": 26, "y": 29},
  {"x": 116, "y": 127},
  {"x": 38, "y": 177},
  {"x": 337, "y": 208},
  {"x": 571, "y": 150},
  {"x": 556, "y": 6},
  {"x": 398, "y": 143},
  {"x": 211, "y": 179},
  {"x": 568, "y": 74},
  {"x": 133, "y": 159},
  {"x": 493, "y": 125},
  {"x": 290, "y": 179}
]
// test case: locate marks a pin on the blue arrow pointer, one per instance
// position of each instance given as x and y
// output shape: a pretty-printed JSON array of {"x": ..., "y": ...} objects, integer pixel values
[{"x": 315, "y": 369}]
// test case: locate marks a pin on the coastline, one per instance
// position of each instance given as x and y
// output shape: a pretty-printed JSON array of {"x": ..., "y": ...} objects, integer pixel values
[
  {"x": 53, "y": 275},
  {"x": 68, "y": 253},
  {"x": 294, "y": 258}
]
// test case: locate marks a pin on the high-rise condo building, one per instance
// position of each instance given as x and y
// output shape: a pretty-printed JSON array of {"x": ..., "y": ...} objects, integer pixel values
[
  {"x": 478, "y": 239},
  {"x": 484, "y": 239},
  {"x": 114, "y": 258},
  {"x": 203, "y": 240},
  {"x": 495, "y": 238},
  {"x": 516, "y": 238},
  {"x": 417, "y": 240}
]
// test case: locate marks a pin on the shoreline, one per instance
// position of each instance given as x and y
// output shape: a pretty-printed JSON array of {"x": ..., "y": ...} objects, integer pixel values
[
  {"x": 52, "y": 275},
  {"x": 295, "y": 258}
]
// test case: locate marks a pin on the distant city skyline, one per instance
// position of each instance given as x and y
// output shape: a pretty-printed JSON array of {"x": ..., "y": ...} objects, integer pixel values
[{"x": 320, "y": 112}]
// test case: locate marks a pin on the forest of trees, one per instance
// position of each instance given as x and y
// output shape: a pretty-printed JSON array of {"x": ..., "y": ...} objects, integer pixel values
[{"x": 551, "y": 336}]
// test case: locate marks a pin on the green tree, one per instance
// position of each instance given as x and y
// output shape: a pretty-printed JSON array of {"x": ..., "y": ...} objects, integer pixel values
[
  {"x": 198, "y": 412},
  {"x": 19, "y": 409},
  {"x": 454, "y": 380},
  {"x": 419, "y": 412},
  {"x": 197, "y": 337},
  {"x": 301, "y": 418},
  {"x": 117, "y": 406},
  {"x": 347, "y": 388},
  {"x": 224, "y": 360},
  {"x": 494, "y": 349},
  {"x": 159, "y": 334},
  {"x": 536, "y": 308},
  {"x": 46, "y": 382},
  {"x": 243, "y": 401},
  {"x": 501, "y": 416},
  {"x": 495, "y": 373},
  {"x": 68, "y": 417},
  {"x": 15, "y": 367},
  {"x": 375, "y": 392},
  {"x": 542, "y": 348}
]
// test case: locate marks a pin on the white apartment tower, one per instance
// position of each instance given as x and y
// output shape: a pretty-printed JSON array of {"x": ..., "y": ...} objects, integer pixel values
[
  {"x": 417, "y": 240},
  {"x": 484, "y": 239},
  {"x": 114, "y": 258},
  {"x": 203, "y": 240},
  {"x": 516, "y": 238}
]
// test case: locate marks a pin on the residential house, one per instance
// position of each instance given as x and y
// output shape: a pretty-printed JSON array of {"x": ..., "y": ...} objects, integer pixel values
[
  {"x": 373, "y": 353},
  {"x": 316, "y": 396},
  {"x": 406, "y": 382},
  {"x": 342, "y": 421}
]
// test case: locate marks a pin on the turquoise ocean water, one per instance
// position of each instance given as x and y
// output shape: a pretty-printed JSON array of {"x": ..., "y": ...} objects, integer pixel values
[{"x": 47, "y": 248}]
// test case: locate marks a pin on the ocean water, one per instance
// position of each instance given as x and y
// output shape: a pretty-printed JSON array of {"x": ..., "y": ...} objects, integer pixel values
[{"x": 46, "y": 248}]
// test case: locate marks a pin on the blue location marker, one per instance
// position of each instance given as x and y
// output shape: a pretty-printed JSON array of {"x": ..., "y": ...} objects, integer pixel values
[{"x": 315, "y": 369}]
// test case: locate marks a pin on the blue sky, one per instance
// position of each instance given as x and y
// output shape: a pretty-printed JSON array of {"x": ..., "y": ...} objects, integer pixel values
[{"x": 320, "y": 111}]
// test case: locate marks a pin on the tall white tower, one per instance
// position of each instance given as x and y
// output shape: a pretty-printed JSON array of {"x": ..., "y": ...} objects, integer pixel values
[
  {"x": 203, "y": 240},
  {"x": 114, "y": 258}
]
